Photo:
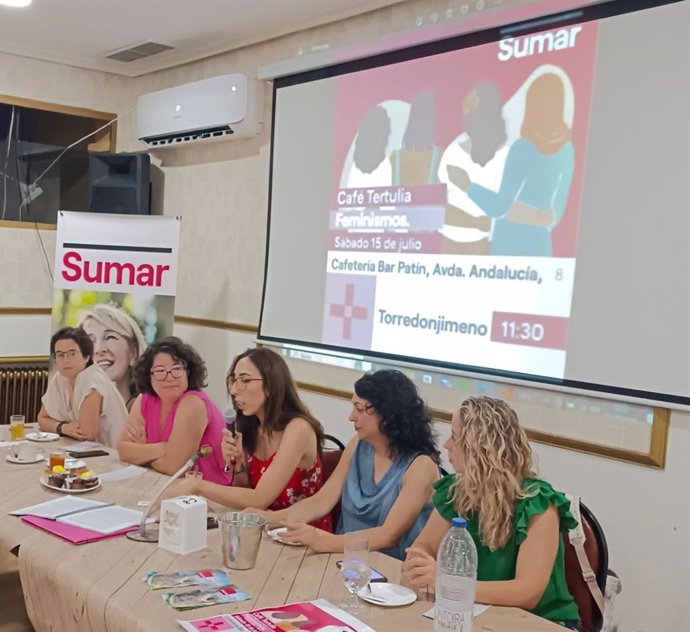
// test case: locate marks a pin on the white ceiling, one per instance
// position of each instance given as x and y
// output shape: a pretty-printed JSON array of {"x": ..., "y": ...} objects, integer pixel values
[{"x": 82, "y": 32}]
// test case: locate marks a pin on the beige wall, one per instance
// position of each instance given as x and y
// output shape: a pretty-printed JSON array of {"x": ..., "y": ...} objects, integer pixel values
[
  {"x": 25, "y": 281},
  {"x": 221, "y": 193}
]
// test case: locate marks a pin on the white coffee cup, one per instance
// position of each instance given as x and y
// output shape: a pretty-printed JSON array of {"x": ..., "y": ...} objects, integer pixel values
[
  {"x": 4, "y": 432},
  {"x": 26, "y": 451}
]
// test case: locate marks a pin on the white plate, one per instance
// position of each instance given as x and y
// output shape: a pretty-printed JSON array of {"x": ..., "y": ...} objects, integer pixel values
[
  {"x": 44, "y": 482},
  {"x": 70, "y": 464},
  {"x": 389, "y": 595},
  {"x": 276, "y": 533},
  {"x": 13, "y": 459},
  {"x": 42, "y": 436}
]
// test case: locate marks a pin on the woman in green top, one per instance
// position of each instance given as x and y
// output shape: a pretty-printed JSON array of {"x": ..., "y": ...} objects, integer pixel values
[{"x": 515, "y": 519}]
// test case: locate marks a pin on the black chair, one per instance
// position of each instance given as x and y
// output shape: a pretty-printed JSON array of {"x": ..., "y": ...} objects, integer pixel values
[
  {"x": 340, "y": 445},
  {"x": 597, "y": 553},
  {"x": 330, "y": 457}
]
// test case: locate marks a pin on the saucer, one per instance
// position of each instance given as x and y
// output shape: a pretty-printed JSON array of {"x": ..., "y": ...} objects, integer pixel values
[
  {"x": 388, "y": 595},
  {"x": 13, "y": 459},
  {"x": 42, "y": 436}
]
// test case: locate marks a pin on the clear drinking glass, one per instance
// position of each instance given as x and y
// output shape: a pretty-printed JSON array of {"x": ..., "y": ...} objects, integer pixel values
[
  {"x": 355, "y": 569},
  {"x": 57, "y": 457},
  {"x": 17, "y": 427}
]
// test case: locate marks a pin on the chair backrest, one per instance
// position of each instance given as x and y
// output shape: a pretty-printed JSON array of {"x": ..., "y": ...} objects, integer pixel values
[
  {"x": 329, "y": 461},
  {"x": 339, "y": 444},
  {"x": 597, "y": 553}
]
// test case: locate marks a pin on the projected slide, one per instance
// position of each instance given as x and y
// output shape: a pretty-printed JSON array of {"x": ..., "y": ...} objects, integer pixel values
[{"x": 453, "y": 218}]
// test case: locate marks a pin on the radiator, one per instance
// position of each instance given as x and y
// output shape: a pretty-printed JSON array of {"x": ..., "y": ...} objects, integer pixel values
[{"x": 21, "y": 389}]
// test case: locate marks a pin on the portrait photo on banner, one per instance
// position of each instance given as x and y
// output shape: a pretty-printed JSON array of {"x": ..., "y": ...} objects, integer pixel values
[{"x": 120, "y": 326}]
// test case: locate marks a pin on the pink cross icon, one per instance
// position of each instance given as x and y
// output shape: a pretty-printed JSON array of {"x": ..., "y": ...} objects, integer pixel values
[{"x": 348, "y": 311}]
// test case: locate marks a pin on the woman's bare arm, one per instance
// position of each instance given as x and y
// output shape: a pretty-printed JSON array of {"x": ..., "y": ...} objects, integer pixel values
[
  {"x": 416, "y": 490},
  {"x": 298, "y": 440},
  {"x": 132, "y": 446}
]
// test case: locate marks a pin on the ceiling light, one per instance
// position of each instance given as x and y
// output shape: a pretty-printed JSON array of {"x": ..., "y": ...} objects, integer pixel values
[{"x": 15, "y": 3}]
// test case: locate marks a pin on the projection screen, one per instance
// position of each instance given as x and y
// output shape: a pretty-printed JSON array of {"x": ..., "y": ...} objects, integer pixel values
[{"x": 512, "y": 202}]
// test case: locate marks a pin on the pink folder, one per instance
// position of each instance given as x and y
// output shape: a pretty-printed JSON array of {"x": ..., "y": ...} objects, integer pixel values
[{"x": 75, "y": 535}]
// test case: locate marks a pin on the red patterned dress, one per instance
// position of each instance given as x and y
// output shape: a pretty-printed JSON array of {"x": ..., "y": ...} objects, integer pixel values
[{"x": 302, "y": 484}]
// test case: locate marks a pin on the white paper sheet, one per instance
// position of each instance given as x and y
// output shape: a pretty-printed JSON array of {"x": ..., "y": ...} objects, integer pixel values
[
  {"x": 123, "y": 474},
  {"x": 476, "y": 611},
  {"x": 58, "y": 507},
  {"x": 105, "y": 520},
  {"x": 84, "y": 446}
]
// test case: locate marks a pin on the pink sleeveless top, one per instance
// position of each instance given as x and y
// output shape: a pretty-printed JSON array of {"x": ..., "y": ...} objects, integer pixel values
[{"x": 212, "y": 466}]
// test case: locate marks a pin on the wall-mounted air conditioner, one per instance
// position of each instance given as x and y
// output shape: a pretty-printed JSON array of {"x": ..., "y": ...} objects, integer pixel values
[{"x": 228, "y": 106}]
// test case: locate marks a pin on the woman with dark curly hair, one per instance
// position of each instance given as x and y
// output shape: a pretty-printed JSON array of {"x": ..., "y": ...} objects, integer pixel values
[
  {"x": 385, "y": 477},
  {"x": 172, "y": 416}
]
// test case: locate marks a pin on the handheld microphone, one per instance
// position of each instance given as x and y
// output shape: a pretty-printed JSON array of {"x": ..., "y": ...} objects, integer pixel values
[
  {"x": 143, "y": 534},
  {"x": 231, "y": 420},
  {"x": 231, "y": 424}
]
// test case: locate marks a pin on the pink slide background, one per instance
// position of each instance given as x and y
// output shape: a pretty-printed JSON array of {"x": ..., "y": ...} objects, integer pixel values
[{"x": 450, "y": 77}]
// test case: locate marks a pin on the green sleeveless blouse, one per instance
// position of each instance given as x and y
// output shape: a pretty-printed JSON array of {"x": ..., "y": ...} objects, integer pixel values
[{"x": 556, "y": 604}]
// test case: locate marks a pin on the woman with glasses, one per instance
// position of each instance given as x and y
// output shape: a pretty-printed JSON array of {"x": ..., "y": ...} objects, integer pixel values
[
  {"x": 274, "y": 453},
  {"x": 384, "y": 478},
  {"x": 80, "y": 402},
  {"x": 172, "y": 417}
]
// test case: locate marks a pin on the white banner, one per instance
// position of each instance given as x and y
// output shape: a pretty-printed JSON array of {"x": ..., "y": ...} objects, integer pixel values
[
  {"x": 116, "y": 276},
  {"x": 117, "y": 253}
]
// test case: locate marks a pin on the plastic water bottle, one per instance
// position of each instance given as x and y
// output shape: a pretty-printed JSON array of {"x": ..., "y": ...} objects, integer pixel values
[{"x": 456, "y": 580}]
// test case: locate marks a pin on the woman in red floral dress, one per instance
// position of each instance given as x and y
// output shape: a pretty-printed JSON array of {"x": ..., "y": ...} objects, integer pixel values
[{"x": 275, "y": 453}]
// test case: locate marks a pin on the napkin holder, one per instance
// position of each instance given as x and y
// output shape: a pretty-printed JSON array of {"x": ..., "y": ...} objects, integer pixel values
[{"x": 183, "y": 524}]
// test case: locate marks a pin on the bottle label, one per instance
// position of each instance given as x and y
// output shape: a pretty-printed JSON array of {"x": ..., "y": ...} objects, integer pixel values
[
  {"x": 454, "y": 604},
  {"x": 450, "y": 619}
]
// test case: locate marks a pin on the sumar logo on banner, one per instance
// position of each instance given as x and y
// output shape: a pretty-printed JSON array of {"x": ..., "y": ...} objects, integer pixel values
[{"x": 120, "y": 253}]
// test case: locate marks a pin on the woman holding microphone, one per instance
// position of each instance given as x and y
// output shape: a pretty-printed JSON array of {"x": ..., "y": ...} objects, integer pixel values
[{"x": 274, "y": 451}]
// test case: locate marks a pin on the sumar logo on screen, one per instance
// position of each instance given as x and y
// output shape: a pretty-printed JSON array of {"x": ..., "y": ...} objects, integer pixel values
[{"x": 537, "y": 43}]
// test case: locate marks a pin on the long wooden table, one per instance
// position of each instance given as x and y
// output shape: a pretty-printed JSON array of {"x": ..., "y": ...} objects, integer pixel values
[{"x": 97, "y": 586}]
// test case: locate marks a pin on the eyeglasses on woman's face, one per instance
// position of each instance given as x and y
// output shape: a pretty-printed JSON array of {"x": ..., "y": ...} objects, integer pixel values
[
  {"x": 160, "y": 374},
  {"x": 66, "y": 355},
  {"x": 241, "y": 382}
]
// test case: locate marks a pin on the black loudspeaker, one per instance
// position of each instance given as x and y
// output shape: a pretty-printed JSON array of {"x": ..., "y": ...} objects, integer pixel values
[{"x": 119, "y": 183}]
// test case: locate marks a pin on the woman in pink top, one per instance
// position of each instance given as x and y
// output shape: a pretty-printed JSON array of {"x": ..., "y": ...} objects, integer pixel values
[{"x": 172, "y": 417}]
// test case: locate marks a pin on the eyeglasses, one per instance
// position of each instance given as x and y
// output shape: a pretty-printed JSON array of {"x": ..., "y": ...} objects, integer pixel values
[
  {"x": 66, "y": 355},
  {"x": 363, "y": 409},
  {"x": 241, "y": 382},
  {"x": 160, "y": 374}
]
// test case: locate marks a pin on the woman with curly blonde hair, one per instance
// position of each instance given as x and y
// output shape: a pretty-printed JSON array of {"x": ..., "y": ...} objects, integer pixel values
[{"x": 514, "y": 518}]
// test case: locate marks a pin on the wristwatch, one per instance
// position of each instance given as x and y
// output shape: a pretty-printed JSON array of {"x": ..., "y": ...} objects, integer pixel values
[{"x": 58, "y": 428}]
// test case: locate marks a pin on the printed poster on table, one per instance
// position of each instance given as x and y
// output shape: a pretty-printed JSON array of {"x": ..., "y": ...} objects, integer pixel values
[
  {"x": 306, "y": 616},
  {"x": 116, "y": 275}
]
